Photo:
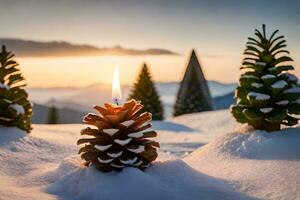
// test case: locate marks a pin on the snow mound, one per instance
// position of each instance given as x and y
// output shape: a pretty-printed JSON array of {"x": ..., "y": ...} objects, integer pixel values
[
  {"x": 208, "y": 125},
  {"x": 244, "y": 164},
  {"x": 8, "y": 134},
  {"x": 251, "y": 144},
  {"x": 260, "y": 164},
  {"x": 171, "y": 179}
]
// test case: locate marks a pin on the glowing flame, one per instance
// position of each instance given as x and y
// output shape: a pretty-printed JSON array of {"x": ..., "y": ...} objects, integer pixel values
[{"x": 116, "y": 89}]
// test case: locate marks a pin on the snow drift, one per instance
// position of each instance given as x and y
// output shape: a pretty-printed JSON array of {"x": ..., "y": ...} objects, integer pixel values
[
  {"x": 257, "y": 163},
  {"x": 172, "y": 179},
  {"x": 244, "y": 164}
]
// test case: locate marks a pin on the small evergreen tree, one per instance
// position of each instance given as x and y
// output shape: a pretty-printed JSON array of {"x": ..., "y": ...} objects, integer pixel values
[
  {"x": 145, "y": 91},
  {"x": 15, "y": 109},
  {"x": 267, "y": 95},
  {"x": 52, "y": 115},
  {"x": 193, "y": 95}
]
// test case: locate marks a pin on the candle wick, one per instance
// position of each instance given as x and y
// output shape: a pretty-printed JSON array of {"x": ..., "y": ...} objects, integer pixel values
[{"x": 116, "y": 101}]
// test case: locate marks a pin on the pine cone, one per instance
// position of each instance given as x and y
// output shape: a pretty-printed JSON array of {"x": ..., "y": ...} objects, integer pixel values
[{"x": 120, "y": 139}]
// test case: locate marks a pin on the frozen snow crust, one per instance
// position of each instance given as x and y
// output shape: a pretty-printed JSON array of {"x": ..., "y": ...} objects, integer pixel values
[{"x": 244, "y": 164}]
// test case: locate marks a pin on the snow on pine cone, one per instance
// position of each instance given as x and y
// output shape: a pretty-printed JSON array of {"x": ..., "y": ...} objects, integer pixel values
[{"x": 120, "y": 138}]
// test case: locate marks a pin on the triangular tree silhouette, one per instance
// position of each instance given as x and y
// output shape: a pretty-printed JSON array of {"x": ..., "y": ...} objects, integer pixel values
[
  {"x": 53, "y": 115},
  {"x": 193, "y": 95},
  {"x": 144, "y": 90}
]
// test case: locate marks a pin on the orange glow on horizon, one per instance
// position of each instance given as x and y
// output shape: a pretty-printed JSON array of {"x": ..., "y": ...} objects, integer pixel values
[{"x": 85, "y": 71}]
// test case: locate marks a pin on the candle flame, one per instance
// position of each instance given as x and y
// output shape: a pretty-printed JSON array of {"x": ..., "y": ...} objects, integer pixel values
[{"x": 116, "y": 89}]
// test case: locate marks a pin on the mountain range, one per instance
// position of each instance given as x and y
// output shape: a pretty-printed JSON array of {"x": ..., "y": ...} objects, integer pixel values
[
  {"x": 30, "y": 48},
  {"x": 73, "y": 103}
]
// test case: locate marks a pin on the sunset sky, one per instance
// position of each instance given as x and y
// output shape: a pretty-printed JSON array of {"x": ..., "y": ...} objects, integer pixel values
[{"x": 218, "y": 30}]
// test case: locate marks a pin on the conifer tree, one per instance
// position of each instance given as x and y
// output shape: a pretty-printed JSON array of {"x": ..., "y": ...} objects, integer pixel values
[
  {"x": 268, "y": 95},
  {"x": 15, "y": 109},
  {"x": 193, "y": 95},
  {"x": 52, "y": 115},
  {"x": 145, "y": 91}
]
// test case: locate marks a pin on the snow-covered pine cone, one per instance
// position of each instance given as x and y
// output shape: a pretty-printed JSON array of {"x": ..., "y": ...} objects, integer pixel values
[{"x": 120, "y": 138}]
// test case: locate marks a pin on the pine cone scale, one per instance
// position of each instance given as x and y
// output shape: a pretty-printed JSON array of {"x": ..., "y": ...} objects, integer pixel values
[{"x": 119, "y": 139}]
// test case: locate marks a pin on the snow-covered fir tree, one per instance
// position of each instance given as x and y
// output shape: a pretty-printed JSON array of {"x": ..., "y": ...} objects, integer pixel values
[
  {"x": 193, "y": 95},
  {"x": 268, "y": 95},
  {"x": 15, "y": 109},
  {"x": 145, "y": 91}
]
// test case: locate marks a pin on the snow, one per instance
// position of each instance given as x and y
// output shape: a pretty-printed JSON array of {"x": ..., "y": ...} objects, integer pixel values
[
  {"x": 260, "y": 164},
  {"x": 279, "y": 84},
  {"x": 4, "y": 86},
  {"x": 140, "y": 149},
  {"x": 268, "y": 76},
  {"x": 105, "y": 161},
  {"x": 117, "y": 166},
  {"x": 115, "y": 155},
  {"x": 258, "y": 96},
  {"x": 129, "y": 162},
  {"x": 297, "y": 101},
  {"x": 123, "y": 142},
  {"x": 283, "y": 102},
  {"x": 18, "y": 108},
  {"x": 110, "y": 131},
  {"x": 292, "y": 90},
  {"x": 257, "y": 85},
  {"x": 172, "y": 179},
  {"x": 128, "y": 123},
  {"x": 291, "y": 77},
  {"x": 249, "y": 76},
  {"x": 266, "y": 110},
  {"x": 102, "y": 147},
  {"x": 202, "y": 156},
  {"x": 136, "y": 135},
  {"x": 260, "y": 63}
]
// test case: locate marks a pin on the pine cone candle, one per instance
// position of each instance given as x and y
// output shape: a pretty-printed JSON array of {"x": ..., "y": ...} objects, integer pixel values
[{"x": 120, "y": 138}]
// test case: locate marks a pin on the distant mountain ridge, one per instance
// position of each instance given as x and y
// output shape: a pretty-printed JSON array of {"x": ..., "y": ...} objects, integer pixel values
[
  {"x": 72, "y": 103},
  {"x": 30, "y": 48}
]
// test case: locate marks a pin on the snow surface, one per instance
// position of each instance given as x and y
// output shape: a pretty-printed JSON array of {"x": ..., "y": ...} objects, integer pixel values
[
  {"x": 18, "y": 108},
  {"x": 266, "y": 110},
  {"x": 257, "y": 85},
  {"x": 296, "y": 101},
  {"x": 110, "y": 131},
  {"x": 292, "y": 90},
  {"x": 258, "y": 96},
  {"x": 268, "y": 76},
  {"x": 279, "y": 84},
  {"x": 243, "y": 164},
  {"x": 259, "y": 164},
  {"x": 260, "y": 63},
  {"x": 4, "y": 86},
  {"x": 283, "y": 102},
  {"x": 249, "y": 76},
  {"x": 291, "y": 77}
]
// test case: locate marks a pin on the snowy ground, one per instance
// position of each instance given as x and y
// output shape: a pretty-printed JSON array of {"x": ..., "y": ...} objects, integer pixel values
[{"x": 228, "y": 161}]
